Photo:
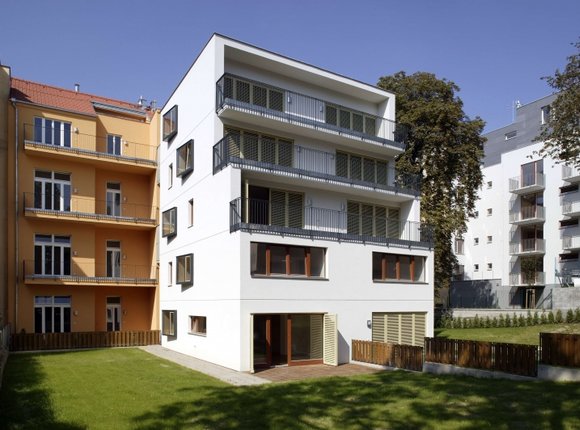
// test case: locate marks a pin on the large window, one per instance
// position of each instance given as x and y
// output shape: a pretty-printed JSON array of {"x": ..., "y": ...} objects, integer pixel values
[
  {"x": 113, "y": 144},
  {"x": 52, "y": 314},
  {"x": 372, "y": 220},
  {"x": 184, "y": 160},
  {"x": 184, "y": 275},
  {"x": 169, "y": 323},
  {"x": 52, "y": 190},
  {"x": 253, "y": 93},
  {"x": 51, "y": 255},
  {"x": 170, "y": 123},
  {"x": 398, "y": 267},
  {"x": 52, "y": 132},
  {"x": 283, "y": 260},
  {"x": 361, "y": 168},
  {"x": 532, "y": 173},
  {"x": 459, "y": 246},
  {"x": 169, "y": 218},
  {"x": 197, "y": 325}
]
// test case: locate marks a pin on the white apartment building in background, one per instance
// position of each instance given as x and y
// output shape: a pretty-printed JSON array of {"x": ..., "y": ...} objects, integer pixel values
[
  {"x": 521, "y": 250},
  {"x": 286, "y": 231}
]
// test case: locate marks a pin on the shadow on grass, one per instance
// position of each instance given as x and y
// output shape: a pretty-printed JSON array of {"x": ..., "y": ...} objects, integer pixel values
[
  {"x": 395, "y": 400},
  {"x": 24, "y": 399}
]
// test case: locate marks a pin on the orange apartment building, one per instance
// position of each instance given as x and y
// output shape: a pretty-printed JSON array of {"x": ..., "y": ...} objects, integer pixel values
[{"x": 82, "y": 211}]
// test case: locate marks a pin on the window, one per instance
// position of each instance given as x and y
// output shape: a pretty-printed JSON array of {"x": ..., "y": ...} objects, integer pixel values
[
  {"x": 184, "y": 160},
  {"x": 361, "y": 168},
  {"x": 572, "y": 188},
  {"x": 114, "y": 199},
  {"x": 184, "y": 275},
  {"x": 52, "y": 314},
  {"x": 197, "y": 325},
  {"x": 397, "y": 267},
  {"x": 572, "y": 256},
  {"x": 190, "y": 213},
  {"x": 476, "y": 267},
  {"x": 52, "y": 132},
  {"x": 489, "y": 266},
  {"x": 511, "y": 135},
  {"x": 407, "y": 328},
  {"x": 489, "y": 211},
  {"x": 170, "y": 176},
  {"x": 489, "y": 185},
  {"x": 545, "y": 114},
  {"x": 476, "y": 215},
  {"x": 113, "y": 259},
  {"x": 532, "y": 173},
  {"x": 350, "y": 119},
  {"x": 52, "y": 255},
  {"x": 489, "y": 239},
  {"x": 169, "y": 324},
  {"x": 170, "y": 273},
  {"x": 170, "y": 124},
  {"x": 260, "y": 147},
  {"x": 476, "y": 240},
  {"x": 282, "y": 260},
  {"x": 169, "y": 222},
  {"x": 52, "y": 191},
  {"x": 569, "y": 222},
  {"x": 372, "y": 220},
  {"x": 113, "y": 144},
  {"x": 254, "y": 93},
  {"x": 459, "y": 245},
  {"x": 458, "y": 272}
]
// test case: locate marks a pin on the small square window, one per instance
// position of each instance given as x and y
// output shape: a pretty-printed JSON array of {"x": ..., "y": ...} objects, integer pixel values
[
  {"x": 169, "y": 219},
  {"x": 545, "y": 114},
  {"x": 476, "y": 267},
  {"x": 184, "y": 161},
  {"x": 169, "y": 325},
  {"x": 476, "y": 215},
  {"x": 197, "y": 325},
  {"x": 170, "y": 176},
  {"x": 170, "y": 124},
  {"x": 489, "y": 211},
  {"x": 190, "y": 212},
  {"x": 170, "y": 273},
  {"x": 489, "y": 266},
  {"x": 511, "y": 135},
  {"x": 489, "y": 185},
  {"x": 476, "y": 240},
  {"x": 184, "y": 275},
  {"x": 459, "y": 245},
  {"x": 489, "y": 239}
]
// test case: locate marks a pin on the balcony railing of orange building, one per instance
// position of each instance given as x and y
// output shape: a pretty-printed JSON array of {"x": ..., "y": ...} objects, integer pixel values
[
  {"x": 68, "y": 140},
  {"x": 292, "y": 107},
  {"x": 58, "y": 204}
]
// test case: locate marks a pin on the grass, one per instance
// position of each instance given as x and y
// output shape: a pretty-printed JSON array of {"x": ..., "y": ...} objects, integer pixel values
[
  {"x": 526, "y": 335},
  {"x": 127, "y": 388}
]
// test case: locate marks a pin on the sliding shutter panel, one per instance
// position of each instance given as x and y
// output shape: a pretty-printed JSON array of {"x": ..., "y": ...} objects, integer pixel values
[
  {"x": 242, "y": 91},
  {"x": 342, "y": 164},
  {"x": 393, "y": 224},
  {"x": 268, "y": 150},
  {"x": 233, "y": 139},
  {"x": 250, "y": 146},
  {"x": 344, "y": 117},
  {"x": 316, "y": 336},
  {"x": 228, "y": 88},
  {"x": 370, "y": 126},
  {"x": 295, "y": 209},
  {"x": 259, "y": 96},
  {"x": 353, "y": 221},
  {"x": 330, "y": 340},
  {"x": 278, "y": 208},
  {"x": 357, "y": 122},
  {"x": 420, "y": 329},
  {"x": 380, "y": 221},
  {"x": 381, "y": 173},
  {"x": 406, "y": 329},
  {"x": 276, "y": 100},
  {"x": 367, "y": 220},
  {"x": 285, "y": 149},
  {"x": 369, "y": 170},
  {"x": 331, "y": 115},
  {"x": 378, "y": 328},
  {"x": 393, "y": 324},
  {"x": 355, "y": 168}
]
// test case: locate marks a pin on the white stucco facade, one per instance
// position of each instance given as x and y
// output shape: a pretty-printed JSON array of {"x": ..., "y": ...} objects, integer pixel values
[{"x": 234, "y": 290}]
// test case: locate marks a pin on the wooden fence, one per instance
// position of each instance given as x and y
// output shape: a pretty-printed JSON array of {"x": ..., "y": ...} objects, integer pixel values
[
  {"x": 388, "y": 354},
  {"x": 504, "y": 357},
  {"x": 78, "y": 340},
  {"x": 560, "y": 349}
]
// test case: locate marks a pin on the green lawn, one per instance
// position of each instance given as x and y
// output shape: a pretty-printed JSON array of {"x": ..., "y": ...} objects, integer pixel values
[
  {"x": 526, "y": 335},
  {"x": 127, "y": 388}
]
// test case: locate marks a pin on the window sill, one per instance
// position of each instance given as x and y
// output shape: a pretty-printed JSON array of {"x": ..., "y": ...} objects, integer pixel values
[
  {"x": 290, "y": 277},
  {"x": 399, "y": 281},
  {"x": 197, "y": 334}
]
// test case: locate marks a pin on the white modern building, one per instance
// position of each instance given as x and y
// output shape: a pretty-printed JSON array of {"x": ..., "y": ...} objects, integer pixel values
[
  {"x": 286, "y": 230},
  {"x": 521, "y": 250}
]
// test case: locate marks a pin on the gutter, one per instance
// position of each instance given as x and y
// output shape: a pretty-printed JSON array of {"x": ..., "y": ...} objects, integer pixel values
[{"x": 17, "y": 221}]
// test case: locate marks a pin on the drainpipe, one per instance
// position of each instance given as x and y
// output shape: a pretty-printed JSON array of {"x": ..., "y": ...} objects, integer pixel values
[{"x": 16, "y": 229}]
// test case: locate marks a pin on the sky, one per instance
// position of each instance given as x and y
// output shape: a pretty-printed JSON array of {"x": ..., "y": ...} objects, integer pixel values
[{"x": 496, "y": 51}]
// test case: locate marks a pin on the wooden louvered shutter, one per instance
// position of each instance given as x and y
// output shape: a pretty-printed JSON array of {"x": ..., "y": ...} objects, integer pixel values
[
  {"x": 277, "y": 208},
  {"x": 316, "y": 336},
  {"x": 242, "y": 91},
  {"x": 285, "y": 152},
  {"x": 382, "y": 173},
  {"x": 367, "y": 220},
  {"x": 233, "y": 142},
  {"x": 369, "y": 170},
  {"x": 268, "y": 149},
  {"x": 393, "y": 224},
  {"x": 276, "y": 100},
  {"x": 259, "y": 96},
  {"x": 370, "y": 125},
  {"x": 378, "y": 327},
  {"x": 392, "y": 321},
  {"x": 353, "y": 219},
  {"x": 330, "y": 340},
  {"x": 342, "y": 164},
  {"x": 250, "y": 146},
  {"x": 420, "y": 329},
  {"x": 331, "y": 115},
  {"x": 380, "y": 221},
  {"x": 406, "y": 329},
  {"x": 355, "y": 167},
  {"x": 295, "y": 210},
  {"x": 228, "y": 88},
  {"x": 357, "y": 122}
]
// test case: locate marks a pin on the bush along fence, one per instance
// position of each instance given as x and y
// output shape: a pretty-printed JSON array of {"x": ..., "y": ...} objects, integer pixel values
[
  {"x": 507, "y": 320},
  {"x": 523, "y": 360}
]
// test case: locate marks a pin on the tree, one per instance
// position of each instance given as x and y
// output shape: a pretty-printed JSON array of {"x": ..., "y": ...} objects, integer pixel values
[
  {"x": 444, "y": 148},
  {"x": 561, "y": 134}
]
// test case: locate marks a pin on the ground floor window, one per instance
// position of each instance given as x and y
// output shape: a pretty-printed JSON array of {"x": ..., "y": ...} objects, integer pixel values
[
  {"x": 396, "y": 267},
  {"x": 283, "y": 260},
  {"x": 169, "y": 323},
  {"x": 52, "y": 314},
  {"x": 197, "y": 325},
  {"x": 407, "y": 328}
]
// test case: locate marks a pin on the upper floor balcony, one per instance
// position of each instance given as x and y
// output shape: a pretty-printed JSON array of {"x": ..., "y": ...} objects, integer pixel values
[
  {"x": 527, "y": 183},
  {"x": 111, "y": 152},
  {"x": 571, "y": 208},
  {"x": 528, "y": 215},
  {"x": 521, "y": 279},
  {"x": 528, "y": 247},
  {"x": 61, "y": 205},
  {"x": 251, "y": 101},
  {"x": 571, "y": 243},
  {"x": 285, "y": 158},
  {"x": 260, "y": 216},
  {"x": 570, "y": 174}
]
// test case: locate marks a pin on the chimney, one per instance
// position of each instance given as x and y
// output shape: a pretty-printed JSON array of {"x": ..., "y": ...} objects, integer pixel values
[{"x": 77, "y": 87}]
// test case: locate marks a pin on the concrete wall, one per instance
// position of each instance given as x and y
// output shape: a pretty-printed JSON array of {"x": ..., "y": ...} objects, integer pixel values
[{"x": 4, "y": 94}]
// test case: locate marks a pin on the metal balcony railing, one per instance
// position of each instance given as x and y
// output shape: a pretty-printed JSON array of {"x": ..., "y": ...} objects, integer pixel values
[
  {"x": 79, "y": 143},
  {"x": 570, "y": 173},
  {"x": 521, "y": 279},
  {"x": 528, "y": 246},
  {"x": 528, "y": 213},
  {"x": 289, "y": 106},
  {"x": 89, "y": 208},
  {"x": 532, "y": 181},
  {"x": 307, "y": 221},
  {"x": 89, "y": 272},
  {"x": 266, "y": 155}
]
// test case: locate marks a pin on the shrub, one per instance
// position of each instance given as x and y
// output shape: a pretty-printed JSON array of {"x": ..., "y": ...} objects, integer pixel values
[
  {"x": 577, "y": 315},
  {"x": 570, "y": 316},
  {"x": 550, "y": 317},
  {"x": 559, "y": 318},
  {"x": 543, "y": 319},
  {"x": 508, "y": 322},
  {"x": 529, "y": 320},
  {"x": 500, "y": 321},
  {"x": 487, "y": 323},
  {"x": 459, "y": 323},
  {"x": 522, "y": 321},
  {"x": 536, "y": 318},
  {"x": 515, "y": 321}
]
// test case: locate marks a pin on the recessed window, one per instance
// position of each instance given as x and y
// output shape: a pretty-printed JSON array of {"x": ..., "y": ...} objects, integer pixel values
[
  {"x": 197, "y": 325},
  {"x": 282, "y": 260},
  {"x": 489, "y": 185},
  {"x": 489, "y": 266},
  {"x": 114, "y": 144},
  {"x": 52, "y": 314},
  {"x": 476, "y": 240},
  {"x": 184, "y": 275},
  {"x": 398, "y": 267},
  {"x": 169, "y": 323},
  {"x": 170, "y": 124},
  {"x": 459, "y": 245},
  {"x": 169, "y": 218},
  {"x": 489, "y": 239},
  {"x": 511, "y": 135},
  {"x": 545, "y": 114},
  {"x": 170, "y": 273},
  {"x": 184, "y": 160},
  {"x": 572, "y": 188},
  {"x": 476, "y": 267},
  {"x": 572, "y": 256},
  {"x": 170, "y": 176},
  {"x": 190, "y": 212},
  {"x": 569, "y": 222},
  {"x": 489, "y": 211},
  {"x": 52, "y": 132}
]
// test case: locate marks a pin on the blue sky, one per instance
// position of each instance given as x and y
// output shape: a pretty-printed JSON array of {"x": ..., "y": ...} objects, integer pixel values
[{"x": 495, "y": 50}]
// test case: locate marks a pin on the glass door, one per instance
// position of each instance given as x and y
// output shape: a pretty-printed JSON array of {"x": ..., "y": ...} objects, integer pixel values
[
  {"x": 113, "y": 199},
  {"x": 113, "y": 144},
  {"x": 113, "y": 259},
  {"x": 113, "y": 313}
]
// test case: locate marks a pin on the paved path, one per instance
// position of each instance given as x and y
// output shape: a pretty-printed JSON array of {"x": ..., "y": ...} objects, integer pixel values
[{"x": 227, "y": 375}]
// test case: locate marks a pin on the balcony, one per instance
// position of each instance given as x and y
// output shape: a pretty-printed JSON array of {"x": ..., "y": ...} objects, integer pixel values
[
  {"x": 571, "y": 243},
  {"x": 62, "y": 272},
  {"x": 528, "y": 247},
  {"x": 528, "y": 215},
  {"x": 92, "y": 149},
  {"x": 518, "y": 279},
  {"x": 88, "y": 210},
  {"x": 265, "y": 155},
  {"x": 259, "y": 216},
  {"x": 570, "y": 174},
  {"x": 527, "y": 183},
  {"x": 240, "y": 98},
  {"x": 571, "y": 209}
]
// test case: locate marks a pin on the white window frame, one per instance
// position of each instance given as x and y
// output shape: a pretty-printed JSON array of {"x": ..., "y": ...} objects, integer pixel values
[
  {"x": 46, "y": 124},
  {"x": 50, "y": 302},
  {"x": 53, "y": 182},
  {"x": 169, "y": 322}
]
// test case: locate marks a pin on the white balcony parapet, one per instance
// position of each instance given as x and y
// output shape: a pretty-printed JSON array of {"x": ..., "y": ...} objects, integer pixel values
[
  {"x": 522, "y": 279},
  {"x": 528, "y": 247}
]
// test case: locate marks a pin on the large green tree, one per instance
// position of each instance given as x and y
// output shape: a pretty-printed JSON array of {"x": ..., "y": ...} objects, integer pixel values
[
  {"x": 561, "y": 134},
  {"x": 444, "y": 147}
]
